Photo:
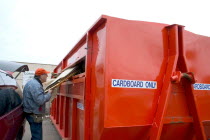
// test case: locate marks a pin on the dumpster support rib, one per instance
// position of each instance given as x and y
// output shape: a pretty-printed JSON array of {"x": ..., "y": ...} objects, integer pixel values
[{"x": 174, "y": 35}]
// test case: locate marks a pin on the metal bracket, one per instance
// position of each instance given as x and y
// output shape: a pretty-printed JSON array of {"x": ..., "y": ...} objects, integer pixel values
[{"x": 177, "y": 76}]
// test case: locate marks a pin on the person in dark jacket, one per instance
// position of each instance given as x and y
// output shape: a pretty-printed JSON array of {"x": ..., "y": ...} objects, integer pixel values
[
  {"x": 9, "y": 99},
  {"x": 34, "y": 99}
]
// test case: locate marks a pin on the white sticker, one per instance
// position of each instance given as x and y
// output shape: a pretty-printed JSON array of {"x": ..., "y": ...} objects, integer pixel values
[
  {"x": 201, "y": 86},
  {"x": 134, "y": 84},
  {"x": 80, "y": 106}
]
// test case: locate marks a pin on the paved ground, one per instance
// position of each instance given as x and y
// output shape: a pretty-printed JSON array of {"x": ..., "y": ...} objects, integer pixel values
[{"x": 49, "y": 131}]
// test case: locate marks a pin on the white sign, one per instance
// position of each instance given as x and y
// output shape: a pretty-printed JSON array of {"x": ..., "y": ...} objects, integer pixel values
[
  {"x": 27, "y": 76},
  {"x": 201, "y": 86},
  {"x": 120, "y": 83},
  {"x": 80, "y": 106}
]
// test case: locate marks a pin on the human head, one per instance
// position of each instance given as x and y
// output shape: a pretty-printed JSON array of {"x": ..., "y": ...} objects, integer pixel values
[{"x": 41, "y": 74}]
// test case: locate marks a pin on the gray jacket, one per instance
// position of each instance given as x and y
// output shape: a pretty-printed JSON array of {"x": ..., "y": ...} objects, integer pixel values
[{"x": 34, "y": 98}]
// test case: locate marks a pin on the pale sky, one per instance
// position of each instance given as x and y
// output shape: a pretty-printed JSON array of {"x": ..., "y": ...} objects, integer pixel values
[{"x": 44, "y": 31}]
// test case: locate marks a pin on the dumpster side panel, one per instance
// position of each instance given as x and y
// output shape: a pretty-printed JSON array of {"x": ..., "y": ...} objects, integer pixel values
[
  {"x": 67, "y": 111},
  {"x": 135, "y": 51},
  {"x": 126, "y": 133},
  {"x": 197, "y": 51},
  {"x": 80, "y": 120},
  {"x": 58, "y": 69},
  {"x": 180, "y": 131},
  {"x": 98, "y": 81}
]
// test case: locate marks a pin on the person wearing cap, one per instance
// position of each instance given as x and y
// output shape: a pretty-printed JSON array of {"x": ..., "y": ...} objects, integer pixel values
[{"x": 34, "y": 99}]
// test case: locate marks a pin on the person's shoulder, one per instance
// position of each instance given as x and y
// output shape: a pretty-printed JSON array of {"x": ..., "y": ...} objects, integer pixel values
[{"x": 31, "y": 81}]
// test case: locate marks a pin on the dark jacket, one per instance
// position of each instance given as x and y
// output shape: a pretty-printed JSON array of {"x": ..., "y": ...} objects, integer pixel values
[{"x": 9, "y": 99}]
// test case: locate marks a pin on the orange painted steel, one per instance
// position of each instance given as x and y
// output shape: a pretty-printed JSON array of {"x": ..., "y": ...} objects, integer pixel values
[{"x": 142, "y": 81}]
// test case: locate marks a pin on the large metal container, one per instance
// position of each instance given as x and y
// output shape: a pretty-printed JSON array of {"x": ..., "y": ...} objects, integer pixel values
[{"x": 142, "y": 81}]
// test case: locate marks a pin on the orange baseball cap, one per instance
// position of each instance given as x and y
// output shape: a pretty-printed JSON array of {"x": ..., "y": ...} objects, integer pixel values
[{"x": 41, "y": 71}]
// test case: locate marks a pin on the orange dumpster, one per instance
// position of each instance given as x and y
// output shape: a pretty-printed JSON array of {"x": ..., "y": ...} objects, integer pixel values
[{"x": 134, "y": 80}]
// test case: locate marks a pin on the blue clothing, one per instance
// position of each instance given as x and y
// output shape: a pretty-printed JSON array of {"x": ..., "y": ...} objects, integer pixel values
[
  {"x": 36, "y": 128},
  {"x": 34, "y": 97}
]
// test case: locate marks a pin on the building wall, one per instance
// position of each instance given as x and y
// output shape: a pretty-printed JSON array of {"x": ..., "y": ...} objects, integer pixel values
[{"x": 33, "y": 67}]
